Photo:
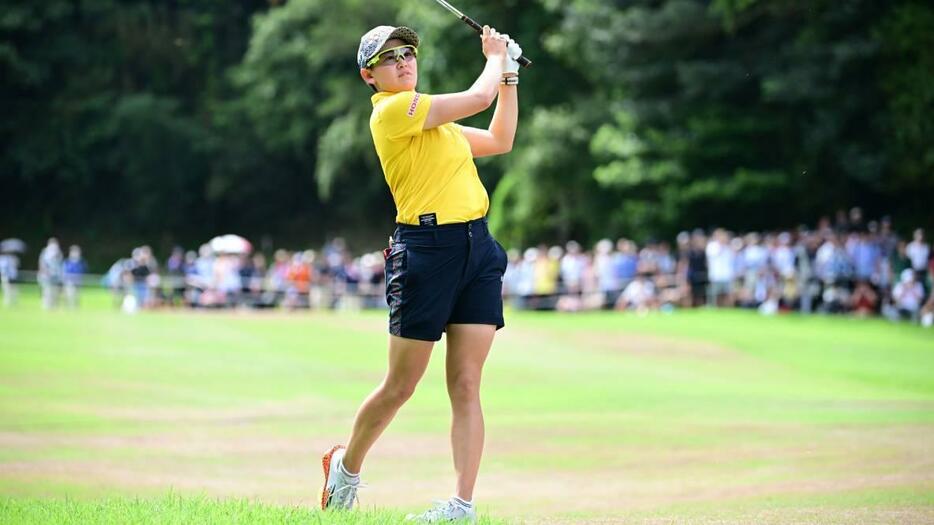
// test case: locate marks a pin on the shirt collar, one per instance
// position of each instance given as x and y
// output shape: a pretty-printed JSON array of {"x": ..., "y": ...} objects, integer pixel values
[{"x": 377, "y": 97}]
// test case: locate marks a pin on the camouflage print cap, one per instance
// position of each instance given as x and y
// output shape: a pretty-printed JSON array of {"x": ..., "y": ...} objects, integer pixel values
[{"x": 375, "y": 38}]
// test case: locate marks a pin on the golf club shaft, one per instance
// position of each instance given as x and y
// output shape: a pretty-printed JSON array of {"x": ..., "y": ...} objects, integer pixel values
[{"x": 524, "y": 62}]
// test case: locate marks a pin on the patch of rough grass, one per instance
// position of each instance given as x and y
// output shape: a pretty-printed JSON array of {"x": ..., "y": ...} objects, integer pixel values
[{"x": 185, "y": 510}]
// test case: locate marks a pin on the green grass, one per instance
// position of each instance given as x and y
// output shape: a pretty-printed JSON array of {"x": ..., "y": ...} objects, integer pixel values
[
  {"x": 694, "y": 417},
  {"x": 183, "y": 510}
]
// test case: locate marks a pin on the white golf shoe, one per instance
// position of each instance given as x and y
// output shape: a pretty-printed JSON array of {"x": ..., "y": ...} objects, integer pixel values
[
  {"x": 338, "y": 491},
  {"x": 445, "y": 512}
]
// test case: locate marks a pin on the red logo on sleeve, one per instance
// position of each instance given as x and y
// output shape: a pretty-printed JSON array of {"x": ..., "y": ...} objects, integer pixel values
[{"x": 414, "y": 105}]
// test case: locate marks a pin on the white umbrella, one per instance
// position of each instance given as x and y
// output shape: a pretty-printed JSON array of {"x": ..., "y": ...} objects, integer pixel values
[
  {"x": 12, "y": 246},
  {"x": 230, "y": 243}
]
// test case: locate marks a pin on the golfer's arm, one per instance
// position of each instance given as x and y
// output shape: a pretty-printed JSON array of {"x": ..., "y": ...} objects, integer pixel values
[
  {"x": 498, "y": 138},
  {"x": 455, "y": 106}
]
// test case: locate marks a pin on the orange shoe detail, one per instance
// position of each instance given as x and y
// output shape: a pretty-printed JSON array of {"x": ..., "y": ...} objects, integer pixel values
[{"x": 326, "y": 465}]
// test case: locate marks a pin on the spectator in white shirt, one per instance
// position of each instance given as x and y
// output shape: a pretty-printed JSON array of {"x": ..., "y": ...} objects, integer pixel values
[
  {"x": 720, "y": 269},
  {"x": 783, "y": 256},
  {"x": 525, "y": 278},
  {"x": 832, "y": 263},
  {"x": 573, "y": 264},
  {"x": 511, "y": 277},
  {"x": 50, "y": 273},
  {"x": 908, "y": 295},
  {"x": 9, "y": 267},
  {"x": 918, "y": 253},
  {"x": 754, "y": 257},
  {"x": 606, "y": 277},
  {"x": 639, "y": 295}
]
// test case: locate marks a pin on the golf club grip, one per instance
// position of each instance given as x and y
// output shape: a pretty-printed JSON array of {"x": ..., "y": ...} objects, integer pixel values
[{"x": 524, "y": 62}]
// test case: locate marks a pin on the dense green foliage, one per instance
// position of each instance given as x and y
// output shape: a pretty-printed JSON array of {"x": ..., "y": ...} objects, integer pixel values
[{"x": 172, "y": 121}]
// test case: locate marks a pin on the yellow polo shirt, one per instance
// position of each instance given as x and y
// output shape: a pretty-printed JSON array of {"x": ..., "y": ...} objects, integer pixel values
[{"x": 428, "y": 171}]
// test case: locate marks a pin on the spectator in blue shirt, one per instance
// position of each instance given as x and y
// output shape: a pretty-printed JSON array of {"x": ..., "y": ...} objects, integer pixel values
[
  {"x": 625, "y": 262},
  {"x": 73, "y": 270}
]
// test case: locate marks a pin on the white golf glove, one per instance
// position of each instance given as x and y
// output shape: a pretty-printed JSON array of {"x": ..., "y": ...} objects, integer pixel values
[{"x": 513, "y": 52}]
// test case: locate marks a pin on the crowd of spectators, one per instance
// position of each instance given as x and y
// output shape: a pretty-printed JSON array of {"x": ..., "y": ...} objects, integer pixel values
[
  {"x": 841, "y": 266},
  {"x": 331, "y": 279},
  {"x": 60, "y": 276}
]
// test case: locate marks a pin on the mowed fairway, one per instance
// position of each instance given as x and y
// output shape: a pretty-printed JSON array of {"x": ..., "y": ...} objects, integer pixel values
[{"x": 694, "y": 417}]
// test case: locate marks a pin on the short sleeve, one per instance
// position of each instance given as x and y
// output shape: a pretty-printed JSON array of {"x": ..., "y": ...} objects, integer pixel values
[{"x": 403, "y": 114}]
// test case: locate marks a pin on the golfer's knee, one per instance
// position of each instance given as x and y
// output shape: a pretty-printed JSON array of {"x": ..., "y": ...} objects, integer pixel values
[
  {"x": 464, "y": 389},
  {"x": 398, "y": 393}
]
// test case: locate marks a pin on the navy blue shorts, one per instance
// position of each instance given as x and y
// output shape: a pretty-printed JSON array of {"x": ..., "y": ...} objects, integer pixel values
[{"x": 441, "y": 275}]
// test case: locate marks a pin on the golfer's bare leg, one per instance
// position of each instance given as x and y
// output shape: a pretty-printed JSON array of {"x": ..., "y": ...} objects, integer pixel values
[
  {"x": 468, "y": 347},
  {"x": 408, "y": 359}
]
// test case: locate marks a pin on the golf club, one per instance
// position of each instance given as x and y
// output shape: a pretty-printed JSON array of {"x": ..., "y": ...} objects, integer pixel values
[{"x": 524, "y": 62}]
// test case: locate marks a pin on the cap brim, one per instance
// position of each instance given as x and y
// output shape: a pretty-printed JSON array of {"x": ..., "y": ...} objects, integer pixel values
[{"x": 405, "y": 34}]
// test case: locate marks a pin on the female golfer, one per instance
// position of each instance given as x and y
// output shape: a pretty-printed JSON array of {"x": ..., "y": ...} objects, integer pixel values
[{"x": 443, "y": 268}]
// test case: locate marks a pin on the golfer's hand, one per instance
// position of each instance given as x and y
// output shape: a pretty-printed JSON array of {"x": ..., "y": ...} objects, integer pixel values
[
  {"x": 513, "y": 52},
  {"x": 494, "y": 45}
]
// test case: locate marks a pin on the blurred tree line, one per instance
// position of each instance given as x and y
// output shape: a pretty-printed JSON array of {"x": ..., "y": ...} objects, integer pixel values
[{"x": 170, "y": 121}]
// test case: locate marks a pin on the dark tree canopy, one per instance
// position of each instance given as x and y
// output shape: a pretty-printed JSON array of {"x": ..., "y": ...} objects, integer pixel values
[{"x": 169, "y": 122}]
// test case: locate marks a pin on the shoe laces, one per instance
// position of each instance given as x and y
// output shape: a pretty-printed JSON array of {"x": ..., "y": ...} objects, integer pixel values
[
  {"x": 443, "y": 509},
  {"x": 348, "y": 493}
]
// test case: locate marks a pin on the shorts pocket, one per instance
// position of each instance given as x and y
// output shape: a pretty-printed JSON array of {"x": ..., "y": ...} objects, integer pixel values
[{"x": 503, "y": 257}]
